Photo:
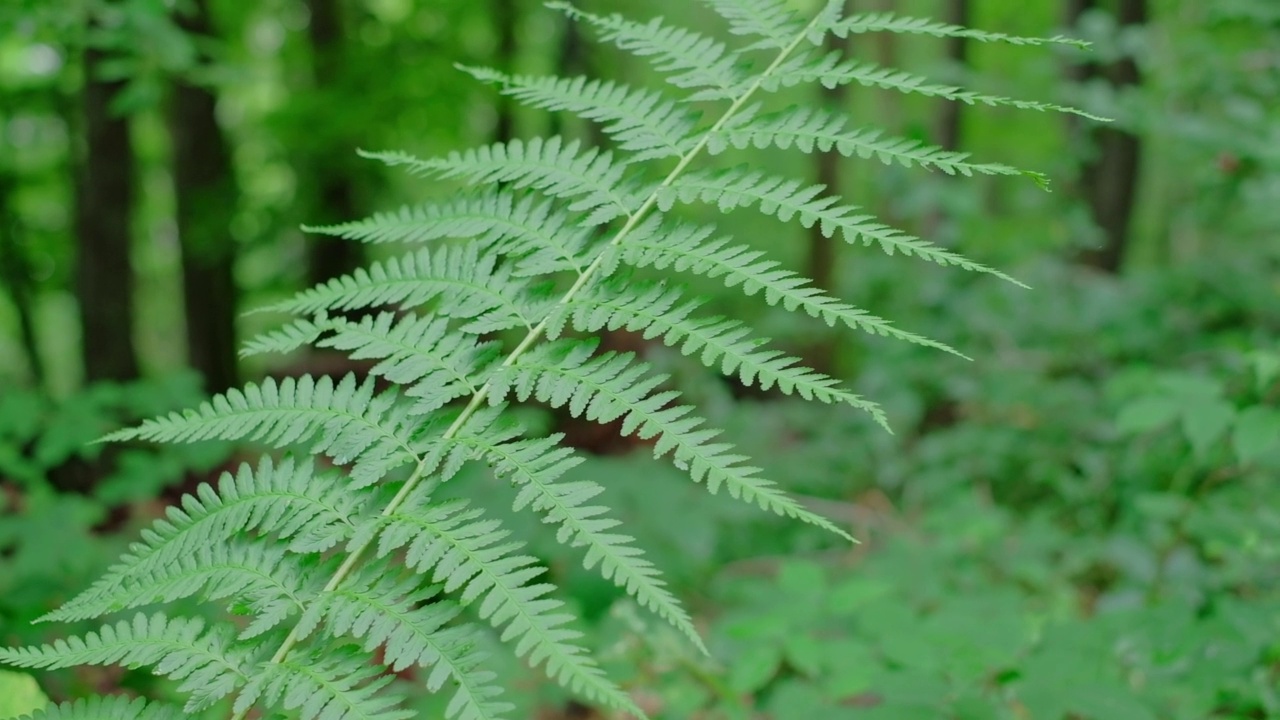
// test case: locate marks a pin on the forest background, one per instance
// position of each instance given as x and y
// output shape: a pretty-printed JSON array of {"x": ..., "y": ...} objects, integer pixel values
[{"x": 1083, "y": 522}]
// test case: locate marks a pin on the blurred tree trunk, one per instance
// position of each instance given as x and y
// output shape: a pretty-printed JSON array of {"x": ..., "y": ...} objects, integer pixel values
[
  {"x": 104, "y": 214},
  {"x": 885, "y": 46},
  {"x": 1108, "y": 181},
  {"x": 103, "y": 189},
  {"x": 820, "y": 354},
  {"x": 205, "y": 186},
  {"x": 506, "y": 21},
  {"x": 951, "y": 116},
  {"x": 334, "y": 187},
  {"x": 575, "y": 60},
  {"x": 15, "y": 275},
  {"x": 950, "y": 126}
]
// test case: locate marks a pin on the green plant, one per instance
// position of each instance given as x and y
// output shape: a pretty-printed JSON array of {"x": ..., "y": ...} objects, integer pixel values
[
  {"x": 322, "y": 563},
  {"x": 968, "y": 612}
]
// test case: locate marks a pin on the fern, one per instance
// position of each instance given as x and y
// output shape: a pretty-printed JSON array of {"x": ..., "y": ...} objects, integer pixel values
[{"x": 355, "y": 553}]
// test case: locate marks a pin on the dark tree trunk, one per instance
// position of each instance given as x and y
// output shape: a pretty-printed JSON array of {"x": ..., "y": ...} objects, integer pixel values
[
  {"x": 15, "y": 274},
  {"x": 206, "y": 192},
  {"x": 951, "y": 117},
  {"x": 820, "y": 355},
  {"x": 573, "y": 61},
  {"x": 103, "y": 198},
  {"x": 950, "y": 126},
  {"x": 885, "y": 48},
  {"x": 506, "y": 20},
  {"x": 1108, "y": 181},
  {"x": 333, "y": 186},
  {"x": 104, "y": 213}
]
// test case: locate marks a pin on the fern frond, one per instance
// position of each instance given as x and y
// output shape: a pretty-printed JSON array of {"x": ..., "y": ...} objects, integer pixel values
[
  {"x": 419, "y": 352},
  {"x": 903, "y": 25},
  {"x": 332, "y": 686},
  {"x": 334, "y": 566},
  {"x": 688, "y": 59},
  {"x": 689, "y": 248},
  {"x": 178, "y": 648},
  {"x": 287, "y": 338},
  {"x": 471, "y": 555},
  {"x": 500, "y": 222},
  {"x": 263, "y": 575},
  {"x": 809, "y": 129},
  {"x": 535, "y": 465},
  {"x": 612, "y": 386},
  {"x": 832, "y": 71},
  {"x": 410, "y": 624},
  {"x": 115, "y": 707},
  {"x": 286, "y": 500},
  {"x": 787, "y": 199},
  {"x": 552, "y": 166},
  {"x": 354, "y": 425},
  {"x": 643, "y": 122},
  {"x": 658, "y": 312},
  {"x": 770, "y": 20},
  {"x": 467, "y": 283}
]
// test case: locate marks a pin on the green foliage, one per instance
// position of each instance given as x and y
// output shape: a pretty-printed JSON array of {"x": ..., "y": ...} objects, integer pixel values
[
  {"x": 1103, "y": 552},
  {"x": 19, "y": 695},
  {"x": 931, "y": 628},
  {"x": 367, "y": 549},
  {"x": 49, "y": 549}
]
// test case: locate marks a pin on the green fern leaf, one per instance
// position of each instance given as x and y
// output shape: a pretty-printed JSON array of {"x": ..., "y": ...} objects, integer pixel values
[
  {"x": 179, "y": 648},
  {"x": 788, "y": 199},
  {"x": 770, "y": 20},
  {"x": 467, "y": 284},
  {"x": 353, "y": 425},
  {"x": 422, "y": 353},
  {"x": 552, "y": 166},
  {"x": 902, "y": 25},
  {"x": 117, "y": 707},
  {"x": 727, "y": 344},
  {"x": 261, "y": 576},
  {"x": 688, "y": 249},
  {"x": 641, "y": 121},
  {"x": 411, "y": 625},
  {"x": 286, "y": 500},
  {"x": 808, "y": 130},
  {"x": 286, "y": 339},
  {"x": 690, "y": 60},
  {"x": 333, "y": 686},
  {"x": 500, "y": 222},
  {"x": 612, "y": 386},
  {"x": 831, "y": 71},
  {"x": 534, "y": 465},
  {"x": 471, "y": 556}
]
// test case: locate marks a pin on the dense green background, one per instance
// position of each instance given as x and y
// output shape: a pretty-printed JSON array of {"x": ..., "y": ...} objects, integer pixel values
[{"x": 1083, "y": 522}]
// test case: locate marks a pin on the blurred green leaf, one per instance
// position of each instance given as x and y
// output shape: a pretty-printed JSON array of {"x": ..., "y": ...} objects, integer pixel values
[
  {"x": 19, "y": 694},
  {"x": 1146, "y": 414},
  {"x": 1256, "y": 432},
  {"x": 754, "y": 667},
  {"x": 1205, "y": 421}
]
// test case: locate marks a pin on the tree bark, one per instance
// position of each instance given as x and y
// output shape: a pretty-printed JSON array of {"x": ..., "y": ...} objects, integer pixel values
[
  {"x": 334, "y": 190},
  {"x": 821, "y": 268},
  {"x": 204, "y": 183},
  {"x": 506, "y": 20},
  {"x": 1108, "y": 181},
  {"x": 104, "y": 214},
  {"x": 951, "y": 117},
  {"x": 15, "y": 274}
]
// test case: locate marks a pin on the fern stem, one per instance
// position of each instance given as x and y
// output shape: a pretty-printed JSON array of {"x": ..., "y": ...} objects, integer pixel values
[{"x": 585, "y": 278}]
